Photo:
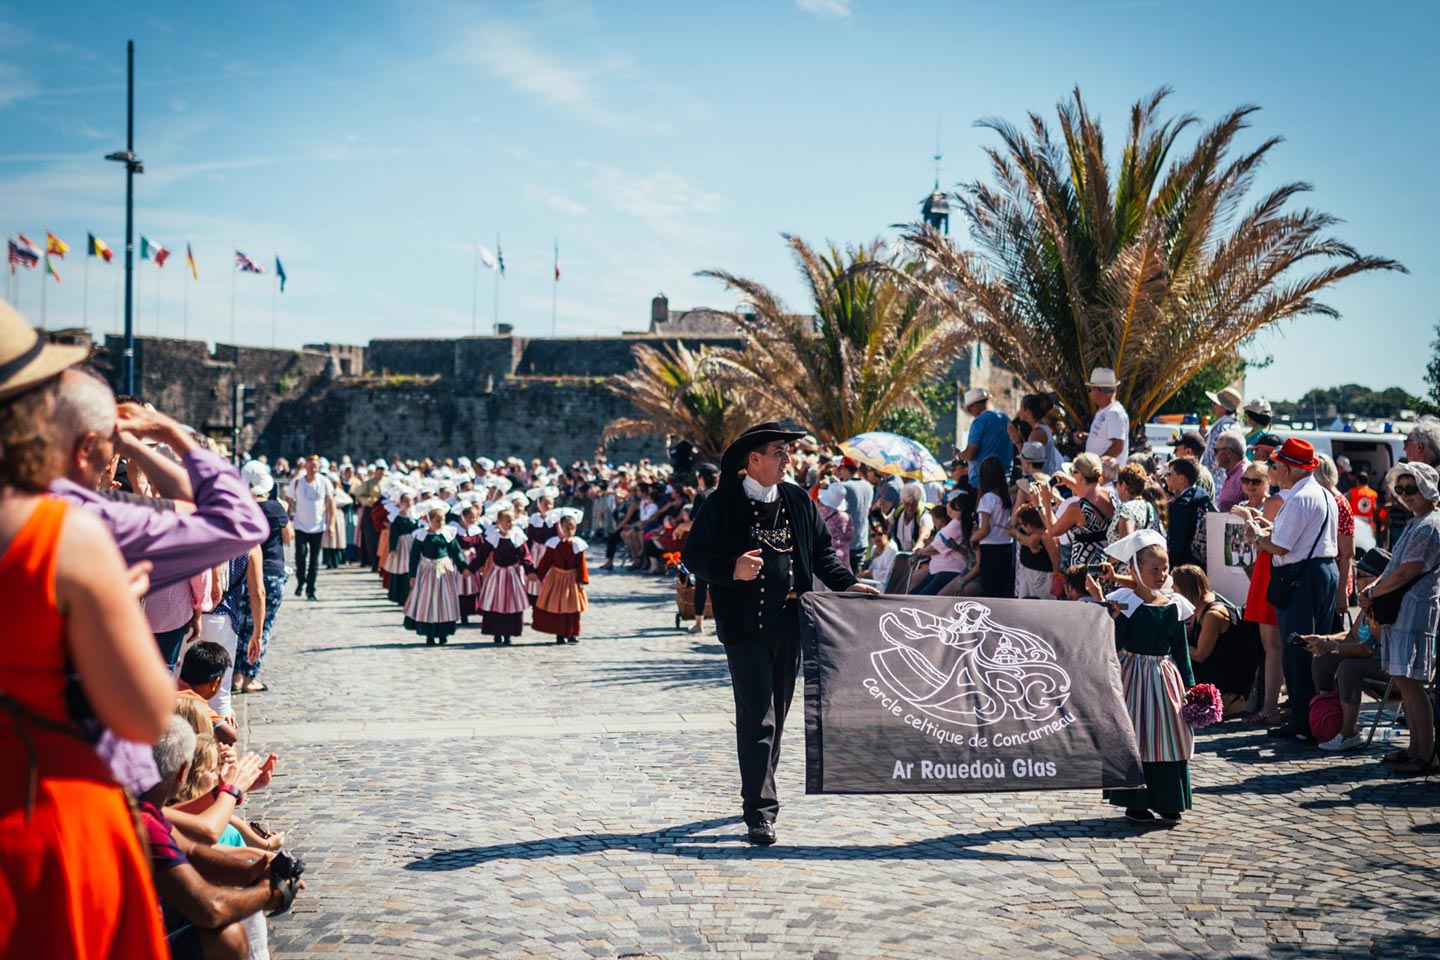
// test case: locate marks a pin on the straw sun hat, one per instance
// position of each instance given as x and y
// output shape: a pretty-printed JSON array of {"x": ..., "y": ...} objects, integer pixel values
[{"x": 28, "y": 359}]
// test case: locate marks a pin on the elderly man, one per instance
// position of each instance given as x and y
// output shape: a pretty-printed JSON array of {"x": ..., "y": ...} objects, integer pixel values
[
  {"x": 760, "y": 544},
  {"x": 1109, "y": 434},
  {"x": 1223, "y": 407},
  {"x": 208, "y": 893},
  {"x": 989, "y": 435},
  {"x": 1230, "y": 464},
  {"x": 1304, "y": 543}
]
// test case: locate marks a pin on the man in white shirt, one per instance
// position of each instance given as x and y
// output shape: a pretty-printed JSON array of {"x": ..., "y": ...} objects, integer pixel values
[
  {"x": 313, "y": 501},
  {"x": 1110, "y": 430},
  {"x": 1306, "y": 533}
]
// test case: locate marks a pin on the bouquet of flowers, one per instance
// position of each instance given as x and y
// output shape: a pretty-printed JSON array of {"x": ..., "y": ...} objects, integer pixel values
[
  {"x": 675, "y": 568},
  {"x": 1203, "y": 706}
]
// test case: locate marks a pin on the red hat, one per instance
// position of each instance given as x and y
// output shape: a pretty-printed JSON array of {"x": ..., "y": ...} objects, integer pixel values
[
  {"x": 850, "y": 462},
  {"x": 1297, "y": 453}
]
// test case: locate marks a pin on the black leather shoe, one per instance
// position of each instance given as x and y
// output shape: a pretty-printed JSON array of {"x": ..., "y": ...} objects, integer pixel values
[
  {"x": 761, "y": 834},
  {"x": 1287, "y": 732}
]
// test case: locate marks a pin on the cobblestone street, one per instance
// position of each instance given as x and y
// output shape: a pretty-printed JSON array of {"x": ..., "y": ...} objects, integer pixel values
[{"x": 582, "y": 801}]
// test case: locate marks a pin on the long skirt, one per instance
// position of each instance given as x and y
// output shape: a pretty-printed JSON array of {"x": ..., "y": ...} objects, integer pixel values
[
  {"x": 537, "y": 550},
  {"x": 561, "y": 601},
  {"x": 382, "y": 551},
  {"x": 397, "y": 564},
  {"x": 469, "y": 589},
  {"x": 367, "y": 538},
  {"x": 503, "y": 600},
  {"x": 433, "y": 607},
  {"x": 1154, "y": 696}
]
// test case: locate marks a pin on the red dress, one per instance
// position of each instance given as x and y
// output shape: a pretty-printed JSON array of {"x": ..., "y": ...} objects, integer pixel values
[
  {"x": 563, "y": 576},
  {"x": 73, "y": 880},
  {"x": 1257, "y": 608}
]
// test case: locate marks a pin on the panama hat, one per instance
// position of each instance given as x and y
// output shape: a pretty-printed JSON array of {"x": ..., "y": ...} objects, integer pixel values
[
  {"x": 1229, "y": 398},
  {"x": 1102, "y": 377},
  {"x": 974, "y": 395},
  {"x": 27, "y": 359}
]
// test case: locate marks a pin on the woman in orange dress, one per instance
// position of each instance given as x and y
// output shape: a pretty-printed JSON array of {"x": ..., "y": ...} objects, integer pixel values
[
  {"x": 74, "y": 882},
  {"x": 562, "y": 576}
]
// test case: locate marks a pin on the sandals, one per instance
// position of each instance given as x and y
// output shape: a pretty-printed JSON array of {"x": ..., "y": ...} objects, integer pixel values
[
  {"x": 1397, "y": 756},
  {"x": 1415, "y": 768}
]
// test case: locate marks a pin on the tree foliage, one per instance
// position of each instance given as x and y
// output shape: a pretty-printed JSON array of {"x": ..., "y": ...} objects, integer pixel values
[
  {"x": 1153, "y": 266},
  {"x": 873, "y": 340}
]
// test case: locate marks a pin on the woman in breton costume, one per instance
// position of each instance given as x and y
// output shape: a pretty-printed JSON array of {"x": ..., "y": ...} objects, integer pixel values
[
  {"x": 562, "y": 575},
  {"x": 469, "y": 534},
  {"x": 540, "y": 530},
  {"x": 398, "y": 545}
]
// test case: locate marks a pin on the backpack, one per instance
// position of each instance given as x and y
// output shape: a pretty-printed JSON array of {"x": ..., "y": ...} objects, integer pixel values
[{"x": 1325, "y": 716}]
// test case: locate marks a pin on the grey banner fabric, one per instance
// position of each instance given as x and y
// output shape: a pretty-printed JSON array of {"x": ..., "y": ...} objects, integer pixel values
[{"x": 948, "y": 695}]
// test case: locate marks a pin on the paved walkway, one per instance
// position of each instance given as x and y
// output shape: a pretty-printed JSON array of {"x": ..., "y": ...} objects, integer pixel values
[{"x": 545, "y": 801}]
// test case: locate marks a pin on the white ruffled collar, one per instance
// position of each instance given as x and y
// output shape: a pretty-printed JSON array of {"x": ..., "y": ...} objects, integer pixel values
[
  {"x": 538, "y": 520},
  {"x": 757, "y": 491},
  {"x": 493, "y": 536},
  {"x": 444, "y": 533},
  {"x": 576, "y": 544},
  {"x": 1129, "y": 601}
]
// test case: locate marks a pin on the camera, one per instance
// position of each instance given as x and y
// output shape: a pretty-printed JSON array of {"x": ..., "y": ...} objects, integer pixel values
[{"x": 285, "y": 867}]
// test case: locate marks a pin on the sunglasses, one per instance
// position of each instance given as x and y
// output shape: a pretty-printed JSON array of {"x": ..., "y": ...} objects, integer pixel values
[
  {"x": 1407, "y": 491},
  {"x": 1251, "y": 480}
]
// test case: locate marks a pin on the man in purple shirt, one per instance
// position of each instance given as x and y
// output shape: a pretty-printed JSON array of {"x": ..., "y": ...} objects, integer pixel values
[
  {"x": 225, "y": 522},
  {"x": 1230, "y": 463}
]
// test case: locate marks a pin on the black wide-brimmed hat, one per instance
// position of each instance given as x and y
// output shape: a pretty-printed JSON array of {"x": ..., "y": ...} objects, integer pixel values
[{"x": 757, "y": 436}]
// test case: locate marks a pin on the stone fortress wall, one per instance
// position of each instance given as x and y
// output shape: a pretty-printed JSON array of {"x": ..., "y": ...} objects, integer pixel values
[{"x": 492, "y": 395}]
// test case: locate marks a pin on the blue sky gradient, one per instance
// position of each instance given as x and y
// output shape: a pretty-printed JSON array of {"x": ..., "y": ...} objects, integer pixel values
[{"x": 372, "y": 144}]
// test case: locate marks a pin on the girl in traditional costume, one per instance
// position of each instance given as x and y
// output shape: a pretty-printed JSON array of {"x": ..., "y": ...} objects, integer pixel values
[
  {"x": 469, "y": 534},
  {"x": 562, "y": 575},
  {"x": 433, "y": 607},
  {"x": 397, "y": 557},
  {"x": 1155, "y": 673},
  {"x": 539, "y": 530},
  {"x": 503, "y": 559}
]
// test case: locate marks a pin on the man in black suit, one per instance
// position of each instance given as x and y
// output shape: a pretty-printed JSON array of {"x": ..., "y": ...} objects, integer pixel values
[{"x": 759, "y": 543}]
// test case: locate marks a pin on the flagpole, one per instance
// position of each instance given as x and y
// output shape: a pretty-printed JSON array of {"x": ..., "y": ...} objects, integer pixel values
[
  {"x": 475, "y": 291},
  {"x": 185, "y": 315},
  {"x": 159, "y": 275},
  {"x": 555, "y": 290},
  {"x": 44, "y": 270},
  {"x": 233, "y": 272},
  {"x": 499, "y": 269},
  {"x": 274, "y": 306},
  {"x": 85, "y": 302}
]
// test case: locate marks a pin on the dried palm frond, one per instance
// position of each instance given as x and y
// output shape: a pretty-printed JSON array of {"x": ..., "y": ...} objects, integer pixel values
[{"x": 1155, "y": 271}]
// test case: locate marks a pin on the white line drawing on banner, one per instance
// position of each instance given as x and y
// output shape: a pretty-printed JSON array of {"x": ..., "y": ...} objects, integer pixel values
[{"x": 1002, "y": 672}]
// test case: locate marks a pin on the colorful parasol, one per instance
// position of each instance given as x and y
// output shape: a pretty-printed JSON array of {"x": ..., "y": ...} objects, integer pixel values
[{"x": 893, "y": 454}]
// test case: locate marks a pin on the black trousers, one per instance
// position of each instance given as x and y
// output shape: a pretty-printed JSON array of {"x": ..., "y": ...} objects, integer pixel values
[
  {"x": 307, "y": 560},
  {"x": 762, "y": 676},
  {"x": 369, "y": 539}
]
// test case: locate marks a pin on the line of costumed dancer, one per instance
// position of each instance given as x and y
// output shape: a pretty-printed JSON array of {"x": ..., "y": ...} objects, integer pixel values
[{"x": 491, "y": 552}]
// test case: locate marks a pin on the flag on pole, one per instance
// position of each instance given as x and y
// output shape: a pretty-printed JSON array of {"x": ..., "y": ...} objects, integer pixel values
[
  {"x": 97, "y": 248},
  {"x": 557, "y": 261},
  {"x": 50, "y": 269},
  {"x": 190, "y": 259},
  {"x": 500, "y": 258},
  {"x": 152, "y": 251},
  {"x": 280, "y": 273},
  {"x": 55, "y": 246},
  {"x": 245, "y": 265},
  {"x": 24, "y": 254},
  {"x": 485, "y": 257}
]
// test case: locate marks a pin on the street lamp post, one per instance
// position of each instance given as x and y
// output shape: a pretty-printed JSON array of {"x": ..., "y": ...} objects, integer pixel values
[{"x": 133, "y": 165}]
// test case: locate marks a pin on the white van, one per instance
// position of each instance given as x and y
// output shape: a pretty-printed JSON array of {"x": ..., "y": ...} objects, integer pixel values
[{"x": 1374, "y": 453}]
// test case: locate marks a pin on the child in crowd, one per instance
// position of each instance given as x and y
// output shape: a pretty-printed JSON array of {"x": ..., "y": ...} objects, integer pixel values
[
  {"x": 433, "y": 607},
  {"x": 1038, "y": 556},
  {"x": 503, "y": 559},
  {"x": 469, "y": 535},
  {"x": 539, "y": 530},
  {"x": 397, "y": 560},
  {"x": 1155, "y": 674},
  {"x": 562, "y": 576},
  {"x": 201, "y": 674},
  {"x": 949, "y": 550}
]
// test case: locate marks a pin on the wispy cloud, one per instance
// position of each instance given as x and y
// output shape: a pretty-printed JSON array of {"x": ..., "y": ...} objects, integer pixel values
[
  {"x": 826, "y": 9},
  {"x": 555, "y": 201},
  {"x": 663, "y": 201},
  {"x": 508, "y": 54},
  {"x": 15, "y": 85}
]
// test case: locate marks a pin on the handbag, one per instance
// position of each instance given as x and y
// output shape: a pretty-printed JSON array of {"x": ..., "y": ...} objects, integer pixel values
[
  {"x": 1285, "y": 580},
  {"x": 1386, "y": 607}
]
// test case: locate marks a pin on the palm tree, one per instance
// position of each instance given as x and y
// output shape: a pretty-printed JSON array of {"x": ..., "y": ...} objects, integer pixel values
[
  {"x": 871, "y": 343},
  {"x": 1152, "y": 269},
  {"x": 677, "y": 391}
]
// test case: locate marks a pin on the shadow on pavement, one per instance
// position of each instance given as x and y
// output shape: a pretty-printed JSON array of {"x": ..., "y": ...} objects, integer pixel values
[{"x": 687, "y": 841}]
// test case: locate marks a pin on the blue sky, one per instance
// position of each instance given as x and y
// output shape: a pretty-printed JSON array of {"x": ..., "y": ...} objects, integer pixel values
[{"x": 372, "y": 144}]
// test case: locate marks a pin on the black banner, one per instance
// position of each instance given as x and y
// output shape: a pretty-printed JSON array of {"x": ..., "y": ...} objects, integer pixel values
[{"x": 954, "y": 695}]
